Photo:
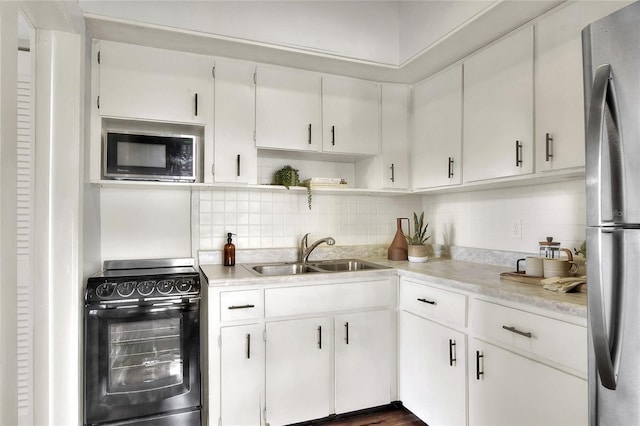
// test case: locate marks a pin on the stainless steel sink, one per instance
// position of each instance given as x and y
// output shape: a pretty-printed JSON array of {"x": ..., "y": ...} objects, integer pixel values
[
  {"x": 283, "y": 269},
  {"x": 327, "y": 266},
  {"x": 345, "y": 265}
]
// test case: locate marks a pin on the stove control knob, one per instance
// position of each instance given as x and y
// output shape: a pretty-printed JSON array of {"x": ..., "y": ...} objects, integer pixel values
[
  {"x": 165, "y": 286},
  {"x": 126, "y": 288},
  {"x": 105, "y": 290},
  {"x": 184, "y": 285},
  {"x": 145, "y": 288}
]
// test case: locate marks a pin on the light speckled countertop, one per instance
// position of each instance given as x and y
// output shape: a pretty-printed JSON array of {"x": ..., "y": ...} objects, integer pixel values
[{"x": 471, "y": 277}]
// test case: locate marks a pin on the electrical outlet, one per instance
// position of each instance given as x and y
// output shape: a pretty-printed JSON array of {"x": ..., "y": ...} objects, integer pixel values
[{"x": 516, "y": 229}]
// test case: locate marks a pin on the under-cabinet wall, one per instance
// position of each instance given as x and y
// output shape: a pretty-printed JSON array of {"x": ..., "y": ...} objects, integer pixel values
[{"x": 485, "y": 219}]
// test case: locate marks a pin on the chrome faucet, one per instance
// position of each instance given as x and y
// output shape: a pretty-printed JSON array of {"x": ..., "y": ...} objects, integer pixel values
[{"x": 305, "y": 249}]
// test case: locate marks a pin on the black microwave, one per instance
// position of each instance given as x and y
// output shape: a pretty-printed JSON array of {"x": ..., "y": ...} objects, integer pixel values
[{"x": 150, "y": 157}]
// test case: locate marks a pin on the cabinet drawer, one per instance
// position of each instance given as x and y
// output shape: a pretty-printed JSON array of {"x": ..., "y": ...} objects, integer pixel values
[
  {"x": 433, "y": 303},
  {"x": 309, "y": 299},
  {"x": 240, "y": 305},
  {"x": 555, "y": 340}
]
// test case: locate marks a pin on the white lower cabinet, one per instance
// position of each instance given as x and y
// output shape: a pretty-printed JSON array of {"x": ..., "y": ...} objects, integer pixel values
[
  {"x": 363, "y": 360},
  {"x": 242, "y": 372},
  {"x": 509, "y": 389},
  {"x": 432, "y": 370},
  {"x": 298, "y": 370}
]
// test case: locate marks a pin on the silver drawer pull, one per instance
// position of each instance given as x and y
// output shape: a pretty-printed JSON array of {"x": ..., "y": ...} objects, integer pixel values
[
  {"x": 515, "y": 330},
  {"x": 241, "y": 307},
  {"x": 430, "y": 302}
]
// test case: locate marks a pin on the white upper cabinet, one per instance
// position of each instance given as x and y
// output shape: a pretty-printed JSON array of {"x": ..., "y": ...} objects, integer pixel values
[
  {"x": 436, "y": 155},
  {"x": 559, "y": 104},
  {"x": 145, "y": 83},
  {"x": 288, "y": 109},
  {"x": 395, "y": 136},
  {"x": 235, "y": 154},
  {"x": 498, "y": 109},
  {"x": 351, "y": 116}
]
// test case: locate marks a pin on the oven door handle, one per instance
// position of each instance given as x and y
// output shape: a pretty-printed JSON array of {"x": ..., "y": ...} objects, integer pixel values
[{"x": 126, "y": 310}]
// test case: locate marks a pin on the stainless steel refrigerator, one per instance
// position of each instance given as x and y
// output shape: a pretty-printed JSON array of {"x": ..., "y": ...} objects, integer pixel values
[{"x": 611, "y": 60}]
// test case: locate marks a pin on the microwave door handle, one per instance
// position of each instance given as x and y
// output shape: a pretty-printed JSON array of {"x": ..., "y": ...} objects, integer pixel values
[{"x": 603, "y": 116}]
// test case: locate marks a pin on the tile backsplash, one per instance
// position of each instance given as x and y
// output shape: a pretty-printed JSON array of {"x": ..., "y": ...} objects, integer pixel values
[
  {"x": 478, "y": 219},
  {"x": 279, "y": 218}
]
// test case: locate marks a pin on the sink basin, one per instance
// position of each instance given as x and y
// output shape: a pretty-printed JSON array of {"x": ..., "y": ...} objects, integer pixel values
[
  {"x": 283, "y": 269},
  {"x": 327, "y": 266},
  {"x": 347, "y": 265}
]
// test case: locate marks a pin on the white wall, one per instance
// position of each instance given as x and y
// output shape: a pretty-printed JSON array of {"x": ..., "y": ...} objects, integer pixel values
[
  {"x": 366, "y": 30},
  {"x": 145, "y": 223},
  {"x": 8, "y": 168},
  {"x": 484, "y": 219}
]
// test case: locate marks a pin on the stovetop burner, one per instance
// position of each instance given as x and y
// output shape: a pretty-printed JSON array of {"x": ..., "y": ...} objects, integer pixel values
[{"x": 143, "y": 279}]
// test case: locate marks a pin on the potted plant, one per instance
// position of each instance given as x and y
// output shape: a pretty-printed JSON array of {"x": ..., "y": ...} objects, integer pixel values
[
  {"x": 417, "y": 250},
  {"x": 287, "y": 176}
]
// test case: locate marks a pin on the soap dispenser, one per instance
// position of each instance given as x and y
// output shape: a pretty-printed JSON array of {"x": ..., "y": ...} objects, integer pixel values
[{"x": 229, "y": 252}]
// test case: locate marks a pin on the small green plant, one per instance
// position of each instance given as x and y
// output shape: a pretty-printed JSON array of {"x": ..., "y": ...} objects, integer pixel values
[
  {"x": 286, "y": 176},
  {"x": 419, "y": 236},
  {"x": 582, "y": 250}
]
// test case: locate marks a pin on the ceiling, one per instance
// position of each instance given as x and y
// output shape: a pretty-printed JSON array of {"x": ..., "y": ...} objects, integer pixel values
[{"x": 394, "y": 41}]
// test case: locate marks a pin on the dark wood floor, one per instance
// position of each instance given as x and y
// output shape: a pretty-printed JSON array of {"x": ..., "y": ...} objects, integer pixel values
[{"x": 391, "y": 415}]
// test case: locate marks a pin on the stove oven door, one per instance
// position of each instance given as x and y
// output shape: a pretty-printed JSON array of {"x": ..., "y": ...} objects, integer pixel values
[{"x": 141, "y": 361}]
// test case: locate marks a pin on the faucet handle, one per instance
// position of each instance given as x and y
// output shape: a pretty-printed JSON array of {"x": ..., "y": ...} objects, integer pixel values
[{"x": 304, "y": 243}]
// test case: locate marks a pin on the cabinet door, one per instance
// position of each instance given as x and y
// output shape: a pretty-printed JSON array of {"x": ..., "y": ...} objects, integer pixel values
[
  {"x": 351, "y": 116},
  {"x": 432, "y": 370},
  {"x": 437, "y": 130},
  {"x": 288, "y": 109},
  {"x": 508, "y": 389},
  {"x": 242, "y": 373},
  {"x": 498, "y": 109},
  {"x": 395, "y": 136},
  {"x": 559, "y": 93},
  {"x": 146, "y": 83},
  {"x": 363, "y": 360},
  {"x": 298, "y": 370},
  {"x": 235, "y": 154}
]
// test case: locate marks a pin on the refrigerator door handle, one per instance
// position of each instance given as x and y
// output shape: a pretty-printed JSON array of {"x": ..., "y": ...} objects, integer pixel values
[
  {"x": 604, "y": 331},
  {"x": 602, "y": 119}
]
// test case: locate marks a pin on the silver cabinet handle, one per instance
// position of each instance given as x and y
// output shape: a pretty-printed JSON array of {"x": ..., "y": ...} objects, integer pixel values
[
  {"x": 478, "y": 371},
  {"x": 452, "y": 352},
  {"x": 430, "y": 302},
  {"x": 547, "y": 150},
  {"x": 604, "y": 331},
  {"x": 248, "y": 346},
  {"x": 319, "y": 337},
  {"x": 603, "y": 117},
  {"x": 346, "y": 333},
  {"x": 516, "y": 331},
  {"x": 518, "y": 153},
  {"x": 393, "y": 176},
  {"x": 450, "y": 174}
]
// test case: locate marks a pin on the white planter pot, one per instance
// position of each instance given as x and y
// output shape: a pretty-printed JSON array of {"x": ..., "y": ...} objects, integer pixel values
[{"x": 417, "y": 253}]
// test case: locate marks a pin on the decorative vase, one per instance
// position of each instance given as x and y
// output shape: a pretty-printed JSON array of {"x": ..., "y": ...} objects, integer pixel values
[
  {"x": 417, "y": 253},
  {"x": 398, "y": 248}
]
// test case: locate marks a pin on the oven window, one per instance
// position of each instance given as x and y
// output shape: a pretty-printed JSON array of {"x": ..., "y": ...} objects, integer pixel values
[{"x": 144, "y": 355}]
